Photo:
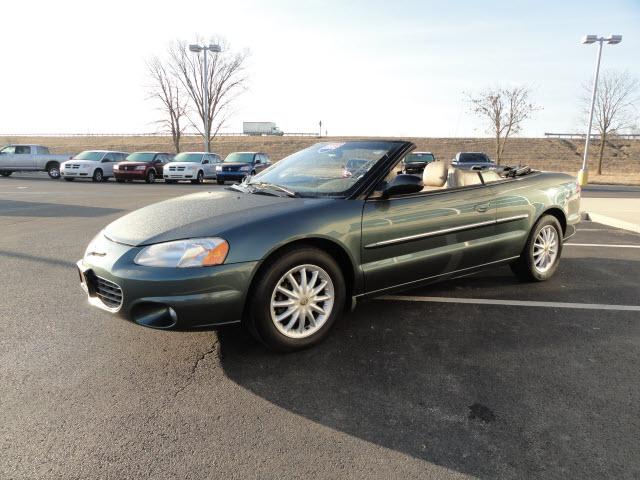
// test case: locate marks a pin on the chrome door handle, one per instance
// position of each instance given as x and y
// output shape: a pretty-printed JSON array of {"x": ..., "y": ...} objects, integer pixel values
[{"x": 483, "y": 207}]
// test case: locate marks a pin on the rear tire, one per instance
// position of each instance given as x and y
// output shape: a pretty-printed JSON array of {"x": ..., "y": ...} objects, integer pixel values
[
  {"x": 53, "y": 170},
  {"x": 151, "y": 177},
  {"x": 540, "y": 257},
  {"x": 97, "y": 175},
  {"x": 317, "y": 310}
]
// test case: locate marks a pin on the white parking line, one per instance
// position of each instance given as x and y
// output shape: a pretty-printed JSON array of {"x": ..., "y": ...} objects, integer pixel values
[
  {"x": 518, "y": 303},
  {"x": 599, "y": 245}
]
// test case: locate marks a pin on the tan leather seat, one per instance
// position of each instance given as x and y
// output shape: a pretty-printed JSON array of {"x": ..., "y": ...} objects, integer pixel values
[
  {"x": 490, "y": 176},
  {"x": 434, "y": 176},
  {"x": 463, "y": 178}
]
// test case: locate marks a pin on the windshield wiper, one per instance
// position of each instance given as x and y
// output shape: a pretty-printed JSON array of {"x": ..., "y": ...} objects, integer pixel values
[{"x": 273, "y": 186}]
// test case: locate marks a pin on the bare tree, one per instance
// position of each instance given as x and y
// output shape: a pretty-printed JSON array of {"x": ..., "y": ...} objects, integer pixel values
[
  {"x": 226, "y": 79},
  {"x": 173, "y": 103},
  {"x": 614, "y": 109},
  {"x": 504, "y": 110}
]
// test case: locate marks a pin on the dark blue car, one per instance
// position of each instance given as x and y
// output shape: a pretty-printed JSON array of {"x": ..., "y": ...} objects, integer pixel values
[{"x": 239, "y": 165}]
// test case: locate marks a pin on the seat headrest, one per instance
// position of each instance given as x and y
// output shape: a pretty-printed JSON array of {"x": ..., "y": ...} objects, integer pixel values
[
  {"x": 463, "y": 178},
  {"x": 435, "y": 174}
]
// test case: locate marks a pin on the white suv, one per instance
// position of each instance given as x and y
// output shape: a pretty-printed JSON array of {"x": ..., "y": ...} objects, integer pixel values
[
  {"x": 94, "y": 164},
  {"x": 193, "y": 166}
]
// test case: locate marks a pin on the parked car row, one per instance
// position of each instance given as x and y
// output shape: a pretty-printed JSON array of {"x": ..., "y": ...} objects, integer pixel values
[{"x": 101, "y": 165}]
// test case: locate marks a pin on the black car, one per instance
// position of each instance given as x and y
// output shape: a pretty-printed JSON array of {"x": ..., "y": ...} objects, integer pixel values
[
  {"x": 239, "y": 165},
  {"x": 472, "y": 161},
  {"x": 416, "y": 161}
]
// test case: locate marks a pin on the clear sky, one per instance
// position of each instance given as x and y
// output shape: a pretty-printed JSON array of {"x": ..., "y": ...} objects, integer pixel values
[{"x": 396, "y": 68}]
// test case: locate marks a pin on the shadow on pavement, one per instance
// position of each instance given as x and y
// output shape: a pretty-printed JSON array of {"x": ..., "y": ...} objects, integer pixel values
[
  {"x": 492, "y": 391},
  {"x": 17, "y": 208}
]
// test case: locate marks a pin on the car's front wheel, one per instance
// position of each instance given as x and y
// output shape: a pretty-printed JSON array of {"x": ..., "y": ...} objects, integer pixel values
[
  {"x": 541, "y": 255},
  {"x": 199, "y": 178},
  {"x": 53, "y": 170},
  {"x": 97, "y": 175},
  {"x": 298, "y": 296}
]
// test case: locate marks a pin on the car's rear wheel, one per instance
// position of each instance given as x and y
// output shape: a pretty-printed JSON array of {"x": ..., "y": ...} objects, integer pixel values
[
  {"x": 199, "y": 178},
  {"x": 297, "y": 298},
  {"x": 151, "y": 177},
  {"x": 541, "y": 255},
  {"x": 53, "y": 170},
  {"x": 97, "y": 175},
  {"x": 6, "y": 174}
]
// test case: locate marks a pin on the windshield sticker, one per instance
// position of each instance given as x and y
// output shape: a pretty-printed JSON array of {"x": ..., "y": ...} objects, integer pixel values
[{"x": 330, "y": 147}]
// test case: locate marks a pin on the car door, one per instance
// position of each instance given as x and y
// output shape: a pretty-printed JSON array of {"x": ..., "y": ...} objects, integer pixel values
[
  {"x": 6, "y": 157},
  {"x": 206, "y": 166},
  {"x": 264, "y": 162},
  {"x": 23, "y": 158},
  {"x": 410, "y": 238},
  {"x": 107, "y": 162},
  {"x": 159, "y": 163}
]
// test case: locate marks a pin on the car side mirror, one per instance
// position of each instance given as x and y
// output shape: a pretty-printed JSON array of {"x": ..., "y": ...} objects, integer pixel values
[{"x": 403, "y": 184}]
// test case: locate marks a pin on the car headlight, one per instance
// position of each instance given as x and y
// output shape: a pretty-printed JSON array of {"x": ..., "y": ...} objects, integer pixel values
[
  {"x": 194, "y": 252},
  {"x": 218, "y": 168},
  {"x": 140, "y": 167},
  {"x": 116, "y": 167}
]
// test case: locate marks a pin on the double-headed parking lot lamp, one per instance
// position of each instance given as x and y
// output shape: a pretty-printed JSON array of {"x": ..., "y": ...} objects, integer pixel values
[
  {"x": 583, "y": 175},
  {"x": 205, "y": 88}
]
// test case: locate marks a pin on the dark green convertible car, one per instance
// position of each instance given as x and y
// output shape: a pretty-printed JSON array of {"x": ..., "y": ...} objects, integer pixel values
[{"x": 288, "y": 250}]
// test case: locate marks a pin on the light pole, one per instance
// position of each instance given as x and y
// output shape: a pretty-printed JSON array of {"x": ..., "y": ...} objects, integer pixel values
[
  {"x": 583, "y": 174},
  {"x": 205, "y": 88}
]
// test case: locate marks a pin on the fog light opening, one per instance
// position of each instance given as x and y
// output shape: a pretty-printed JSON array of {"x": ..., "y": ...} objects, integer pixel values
[{"x": 154, "y": 315}]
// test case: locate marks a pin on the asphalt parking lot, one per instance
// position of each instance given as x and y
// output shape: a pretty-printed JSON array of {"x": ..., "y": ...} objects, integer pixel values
[{"x": 476, "y": 377}]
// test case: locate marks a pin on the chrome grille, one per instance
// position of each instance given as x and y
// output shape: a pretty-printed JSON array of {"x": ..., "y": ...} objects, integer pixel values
[
  {"x": 108, "y": 292},
  {"x": 174, "y": 169}
]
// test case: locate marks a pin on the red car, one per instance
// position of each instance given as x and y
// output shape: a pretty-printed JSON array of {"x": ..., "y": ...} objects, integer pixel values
[{"x": 145, "y": 166}]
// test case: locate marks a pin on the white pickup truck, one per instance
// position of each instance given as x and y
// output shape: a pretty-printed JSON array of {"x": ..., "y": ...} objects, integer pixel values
[{"x": 30, "y": 158}]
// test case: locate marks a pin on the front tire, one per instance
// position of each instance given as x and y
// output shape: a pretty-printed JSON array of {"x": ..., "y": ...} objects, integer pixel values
[
  {"x": 199, "y": 178},
  {"x": 151, "y": 177},
  {"x": 540, "y": 257},
  {"x": 298, "y": 296},
  {"x": 97, "y": 175}
]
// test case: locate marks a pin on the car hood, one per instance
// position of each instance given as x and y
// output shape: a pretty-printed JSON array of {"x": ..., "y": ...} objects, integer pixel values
[
  {"x": 133, "y": 164},
  {"x": 183, "y": 164},
  {"x": 235, "y": 164},
  {"x": 80, "y": 162},
  {"x": 196, "y": 215}
]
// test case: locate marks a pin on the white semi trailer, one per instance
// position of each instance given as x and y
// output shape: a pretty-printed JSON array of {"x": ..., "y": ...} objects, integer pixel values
[{"x": 261, "y": 128}]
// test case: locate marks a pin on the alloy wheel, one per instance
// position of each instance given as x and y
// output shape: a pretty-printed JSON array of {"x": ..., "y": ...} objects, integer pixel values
[
  {"x": 302, "y": 301},
  {"x": 545, "y": 249}
]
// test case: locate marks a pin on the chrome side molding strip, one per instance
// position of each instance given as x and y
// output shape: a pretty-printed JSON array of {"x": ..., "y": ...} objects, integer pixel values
[{"x": 444, "y": 231}]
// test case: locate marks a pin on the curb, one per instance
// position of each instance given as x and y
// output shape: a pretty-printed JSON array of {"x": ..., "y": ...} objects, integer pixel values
[{"x": 610, "y": 221}]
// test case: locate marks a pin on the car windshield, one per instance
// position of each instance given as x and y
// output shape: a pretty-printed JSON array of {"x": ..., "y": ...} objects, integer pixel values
[
  {"x": 324, "y": 169},
  {"x": 419, "y": 157},
  {"x": 239, "y": 157},
  {"x": 141, "y": 157},
  {"x": 473, "y": 157},
  {"x": 90, "y": 155},
  {"x": 188, "y": 157}
]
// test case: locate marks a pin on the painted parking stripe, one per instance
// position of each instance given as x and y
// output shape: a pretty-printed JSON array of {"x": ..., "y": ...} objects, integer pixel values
[
  {"x": 517, "y": 303},
  {"x": 599, "y": 245}
]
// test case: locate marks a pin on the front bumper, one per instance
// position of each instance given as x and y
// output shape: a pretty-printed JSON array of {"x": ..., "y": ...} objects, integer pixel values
[
  {"x": 130, "y": 174},
  {"x": 165, "y": 297},
  {"x": 235, "y": 176},
  {"x": 75, "y": 173}
]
